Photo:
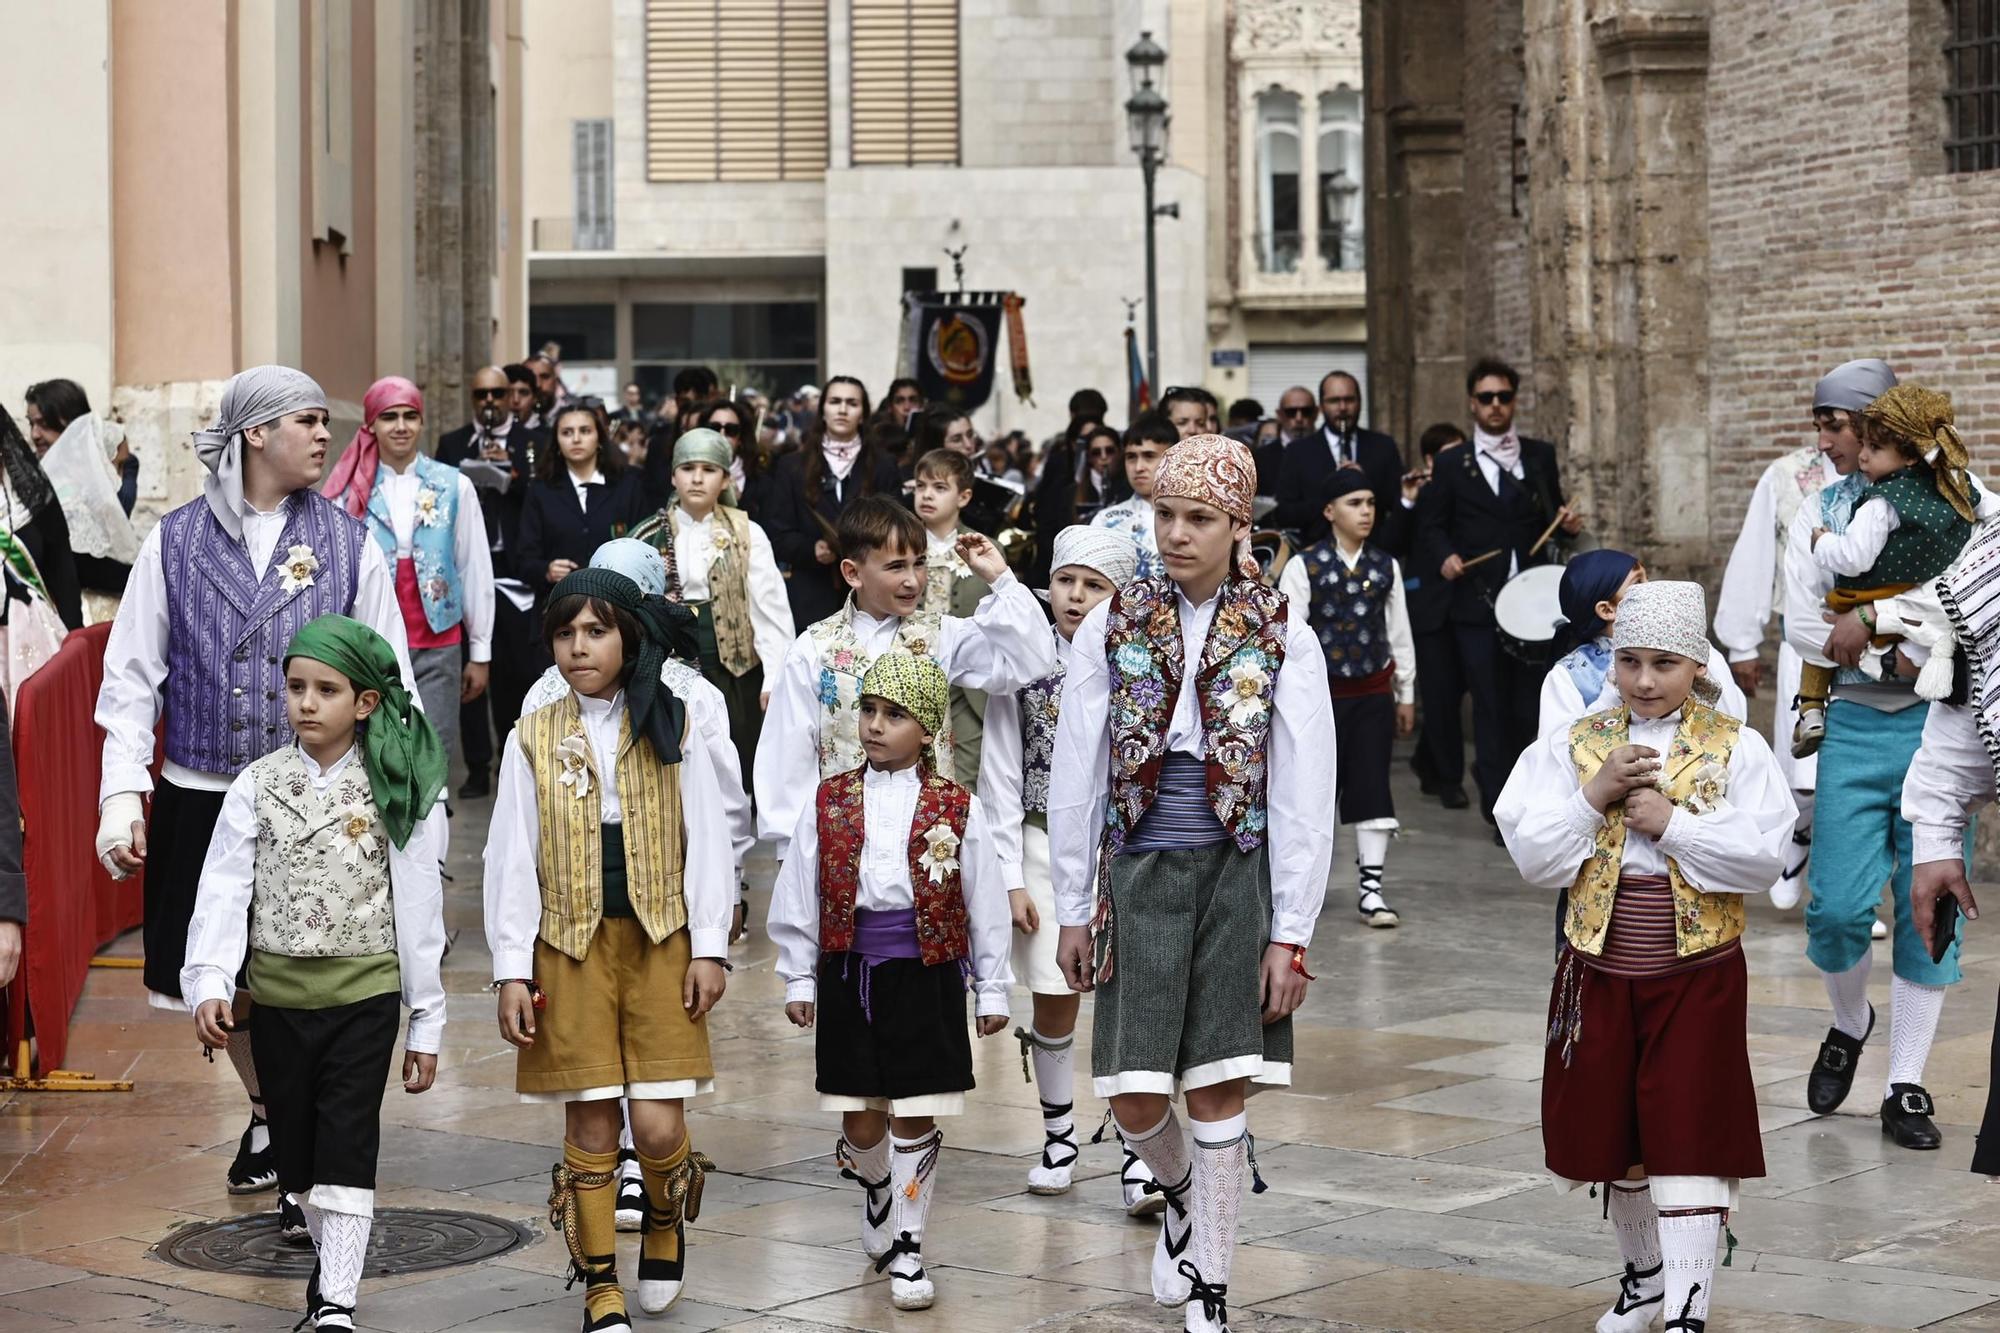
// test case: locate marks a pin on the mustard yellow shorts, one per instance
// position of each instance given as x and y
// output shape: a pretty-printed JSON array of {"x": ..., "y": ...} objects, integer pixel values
[{"x": 613, "y": 1024}]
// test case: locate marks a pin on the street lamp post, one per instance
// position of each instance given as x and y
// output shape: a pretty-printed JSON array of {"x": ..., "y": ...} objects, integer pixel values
[{"x": 1147, "y": 119}]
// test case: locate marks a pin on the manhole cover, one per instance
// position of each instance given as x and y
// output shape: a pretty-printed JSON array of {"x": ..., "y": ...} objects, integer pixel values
[{"x": 405, "y": 1240}]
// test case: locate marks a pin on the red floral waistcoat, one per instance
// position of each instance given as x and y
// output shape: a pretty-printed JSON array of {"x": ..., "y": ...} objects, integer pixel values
[
  {"x": 1235, "y": 683},
  {"x": 943, "y": 934}
]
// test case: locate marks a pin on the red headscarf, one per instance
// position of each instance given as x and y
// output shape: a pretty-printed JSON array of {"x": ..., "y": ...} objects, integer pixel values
[{"x": 353, "y": 477}]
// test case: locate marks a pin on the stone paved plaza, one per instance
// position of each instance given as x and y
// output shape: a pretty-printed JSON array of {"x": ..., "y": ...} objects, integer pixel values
[{"x": 1405, "y": 1190}]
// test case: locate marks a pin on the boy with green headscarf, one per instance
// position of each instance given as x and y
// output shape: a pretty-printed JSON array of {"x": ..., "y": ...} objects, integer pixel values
[{"x": 324, "y": 869}]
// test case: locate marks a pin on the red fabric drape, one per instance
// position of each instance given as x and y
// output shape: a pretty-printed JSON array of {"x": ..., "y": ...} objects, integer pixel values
[{"x": 74, "y": 907}]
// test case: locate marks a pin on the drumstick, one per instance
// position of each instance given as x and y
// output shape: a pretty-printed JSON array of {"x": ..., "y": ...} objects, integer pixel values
[
  {"x": 1540, "y": 542},
  {"x": 1482, "y": 559},
  {"x": 1547, "y": 533}
]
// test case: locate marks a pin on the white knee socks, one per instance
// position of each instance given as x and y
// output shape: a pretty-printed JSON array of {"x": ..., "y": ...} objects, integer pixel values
[
  {"x": 246, "y": 1070},
  {"x": 1687, "y": 1248},
  {"x": 869, "y": 1168},
  {"x": 1165, "y": 1153},
  {"x": 913, "y": 1178},
  {"x": 1638, "y": 1224},
  {"x": 1913, "y": 1020},
  {"x": 1849, "y": 992},
  {"x": 1371, "y": 851},
  {"x": 1221, "y": 1153},
  {"x": 1055, "y": 1084}
]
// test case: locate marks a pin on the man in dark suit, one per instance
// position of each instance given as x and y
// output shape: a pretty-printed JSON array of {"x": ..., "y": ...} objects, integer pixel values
[
  {"x": 1338, "y": 442},
  {"x": 496, "y": 436},
  {"x": 1495, "y": 494},
  {"x": 1439, "y": 760}
]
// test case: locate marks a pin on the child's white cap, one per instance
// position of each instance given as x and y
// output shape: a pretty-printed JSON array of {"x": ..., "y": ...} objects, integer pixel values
[
  {"x": 1664, "y": 616},
  {"x": 1110, "y": 553}
]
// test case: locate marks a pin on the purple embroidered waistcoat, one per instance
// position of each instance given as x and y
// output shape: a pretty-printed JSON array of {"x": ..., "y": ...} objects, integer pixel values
[{"x": 227, "y": 631}]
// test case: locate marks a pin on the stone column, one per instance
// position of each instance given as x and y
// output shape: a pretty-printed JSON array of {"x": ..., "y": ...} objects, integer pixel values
[
  {"x": 455, "y": 217},
  {"x": 1416, "y": 212}
]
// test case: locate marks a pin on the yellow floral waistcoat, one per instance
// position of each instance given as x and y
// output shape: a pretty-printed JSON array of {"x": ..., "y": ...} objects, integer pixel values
[
  {"x": 569, "y": 861},
  {"x": 1695, "y": 777}
]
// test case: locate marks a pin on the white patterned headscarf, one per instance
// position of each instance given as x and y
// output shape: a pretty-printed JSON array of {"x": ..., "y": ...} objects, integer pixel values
[
  {"x": 1111, "y": 553},
  {"x": 1667, "y": 617},
  {"x": 251, "y": 398}
]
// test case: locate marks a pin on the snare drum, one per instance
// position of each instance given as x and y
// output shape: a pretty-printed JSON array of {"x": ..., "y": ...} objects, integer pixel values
[{"x": 1526, "y": 611}]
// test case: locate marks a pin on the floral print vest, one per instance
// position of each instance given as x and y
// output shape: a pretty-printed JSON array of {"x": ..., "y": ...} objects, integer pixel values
[
  {"x": 1695, "y": 777},
  {"x": 728, "y": 580},
  {"x": 937, "y": 834},
  {"x": 1041, "y": 705},
  {"x": 322, "y": 881},
  {"x": 1235, "y": 680},
  {"x": 842, "y": 664}
]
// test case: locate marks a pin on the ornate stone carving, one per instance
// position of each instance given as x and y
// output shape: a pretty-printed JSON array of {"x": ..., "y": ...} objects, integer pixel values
[{"x": 1296, "y": 28}]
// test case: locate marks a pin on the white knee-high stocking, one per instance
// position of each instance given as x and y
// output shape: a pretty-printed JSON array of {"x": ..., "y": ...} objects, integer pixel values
[
  {"x": 1165, "y": 1152},
  {"x": 1642, "y": 1287},
  {"x": 1913, "y": 1019},
  {"x": 1221, "y": 1167},
  {"x": 1687, "y": 1248},
  {"x": 1849, "y": 992}
]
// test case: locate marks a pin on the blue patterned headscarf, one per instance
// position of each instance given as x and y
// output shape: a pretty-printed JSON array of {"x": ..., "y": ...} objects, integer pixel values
[{"x": 1590, "y": 578}]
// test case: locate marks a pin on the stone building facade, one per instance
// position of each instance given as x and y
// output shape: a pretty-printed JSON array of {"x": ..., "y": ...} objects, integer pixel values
[{"x": 1674, "y": 215}]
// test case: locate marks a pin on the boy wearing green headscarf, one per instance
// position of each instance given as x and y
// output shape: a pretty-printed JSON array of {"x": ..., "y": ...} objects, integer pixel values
[{"x": 324, "y": 869}]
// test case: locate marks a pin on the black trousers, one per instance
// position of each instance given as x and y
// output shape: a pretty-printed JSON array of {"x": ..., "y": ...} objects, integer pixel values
[
  {"x": 1505, "y": 698},
  {"x": 322, "y": 1072},
  {"x": 1441, "y": 685},
  {"x": 518, "y": 658}
]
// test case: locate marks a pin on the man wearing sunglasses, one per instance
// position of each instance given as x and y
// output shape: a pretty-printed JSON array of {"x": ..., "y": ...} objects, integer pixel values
[
  {"x": 1486, "y": 506},
  {"x": 497, "y": 437},
  {"x": 1339, "y": 442}
]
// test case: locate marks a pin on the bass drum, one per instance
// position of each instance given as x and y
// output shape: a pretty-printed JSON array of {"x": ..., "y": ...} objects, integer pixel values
[
  {"x": 1272, "y": 550},
  {"x": 1526, "y": 611}
]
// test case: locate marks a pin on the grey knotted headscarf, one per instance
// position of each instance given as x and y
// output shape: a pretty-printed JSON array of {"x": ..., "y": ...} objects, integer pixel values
[
  {"x": 251, "y": 398},
  {"x": 1853, "y": 385}
]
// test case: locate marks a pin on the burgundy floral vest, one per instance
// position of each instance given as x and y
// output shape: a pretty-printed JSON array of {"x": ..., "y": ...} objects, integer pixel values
[
  {"x": 943, "y": 934},
  {"x": 1235, "y": 680}
]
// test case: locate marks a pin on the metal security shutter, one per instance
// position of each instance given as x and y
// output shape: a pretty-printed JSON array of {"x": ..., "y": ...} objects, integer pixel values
[
  {"x": 590, "y": 164},
  {"x": 905, "y": 78},
  {"x": 1276, "y": 367},
  {"x": 735, "y": 90}
]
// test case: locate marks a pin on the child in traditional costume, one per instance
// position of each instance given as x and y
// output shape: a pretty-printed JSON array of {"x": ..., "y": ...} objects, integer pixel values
[
  {"x": 708, "y": 713},
  {"x": 1352, "y": 595},
  {"x": 1089, "y": 564},
  {"x": 943, "y": 487},
  {"x": 1657, "y": 816},
  {"x": 1188, "y": 794},
  {"x": 890, "y": 903},
  {"x": 324, "y": 869},
  {"x": 813, "y": 730},
  {"x": 720, "y": 563},
  {"x": 1146, "y": 443},
  {"x": 606, "y": 903},
  {"x": 1582, "y": 681},
  {"x": 1912, "y": 521}
]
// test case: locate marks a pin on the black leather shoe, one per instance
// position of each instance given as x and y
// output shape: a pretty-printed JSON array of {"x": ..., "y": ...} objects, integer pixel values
[
  {"x": 477, "y": 784},
  {"x": 1426, "y": 780},
  {"x": 1453, "y": 798},
  {"x": 1833, "y": 1072},
  {"x": 1906, "y": 1117}
]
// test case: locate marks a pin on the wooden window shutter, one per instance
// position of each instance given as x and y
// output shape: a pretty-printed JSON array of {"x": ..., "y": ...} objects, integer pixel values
[
  {"x": 735, "y": 90},
  {"x": 905, "y": 99}
]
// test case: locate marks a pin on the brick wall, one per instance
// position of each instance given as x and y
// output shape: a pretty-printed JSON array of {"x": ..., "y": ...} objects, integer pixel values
[
  {"x": 1834, "y": 230},
  {"x": 1498, "y": 319}
]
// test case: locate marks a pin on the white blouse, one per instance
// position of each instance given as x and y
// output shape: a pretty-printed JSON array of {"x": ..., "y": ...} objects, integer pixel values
[
  {"x": 218, "y": 932},
  {"x": 1002, "y": 647},
  {"x": 1299, "y": 773},
  {"x": 770, "y": 609},
  {"x": 1002, "y": 770},
  {"x": 512, "y": 888},
  {"x": 889, "y": 807},
  {"x": 469, "y": 551},
  {"x": 1950, "y": 778},
  {"x": 1739, "y": 847}
]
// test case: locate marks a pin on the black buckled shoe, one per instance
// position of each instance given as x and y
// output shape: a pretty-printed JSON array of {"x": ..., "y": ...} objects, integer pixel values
[
  {"x": 1833, "y": 1072},
  {"x": 1906, "y": 1117}
]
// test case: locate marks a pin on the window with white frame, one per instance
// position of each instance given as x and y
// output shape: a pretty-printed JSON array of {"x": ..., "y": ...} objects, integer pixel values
[
  {"x": 1340, "y": 225},
  {"x": 1278, "y": 242}
]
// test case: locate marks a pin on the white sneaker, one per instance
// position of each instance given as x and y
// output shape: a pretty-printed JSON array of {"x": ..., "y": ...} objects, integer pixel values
[
  {"x": 912, "y": 1291},
  {"x": 1878, "y": 931}
]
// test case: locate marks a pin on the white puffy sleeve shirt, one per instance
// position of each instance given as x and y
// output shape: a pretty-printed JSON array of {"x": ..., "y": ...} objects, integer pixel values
[
  {"x": 1296, "y": 584},
  {"x": 1551, "y": 829},
  {"x": 1299, "y": 774},
  {"x": 1003, "y": 646},
  {"x": 889, "y": 806},
  {"x": 770, "y": 609},
  {"x": 218, "y": 932},
  {"x": 1950, "y": 778},
  {"x": 513, "y": 841}
]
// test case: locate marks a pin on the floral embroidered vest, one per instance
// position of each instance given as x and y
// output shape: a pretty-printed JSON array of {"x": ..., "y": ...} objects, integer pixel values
[
  {"x": 569, "y": 861},
  {"x": 842, "y": 664},
  {"x": 1234, "y": 680},
  {"x": 1350, "y": 608},
  {"x": 937, "y": 835},
  {"x": 1041, "y": 706},
  {"x": 950, "y": 586},
  {"x": 322, "y": 879},
  {"x": 728, "y": 580},
  {"x": 433, "y": 542},
  {"x": 1695, "y": 776}
]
